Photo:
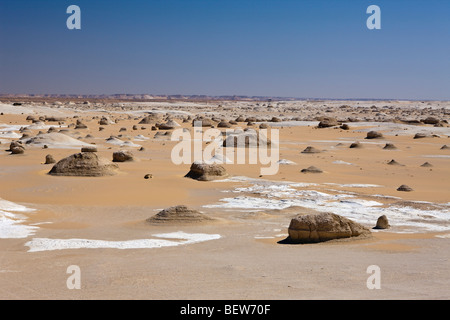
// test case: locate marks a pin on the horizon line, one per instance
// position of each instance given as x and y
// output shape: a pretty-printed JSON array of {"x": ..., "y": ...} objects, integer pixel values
[{"x": 201, "y": 96}]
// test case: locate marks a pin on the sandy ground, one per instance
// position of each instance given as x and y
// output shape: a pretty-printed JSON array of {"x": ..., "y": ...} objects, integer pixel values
[{"x": 247, "y": 262}]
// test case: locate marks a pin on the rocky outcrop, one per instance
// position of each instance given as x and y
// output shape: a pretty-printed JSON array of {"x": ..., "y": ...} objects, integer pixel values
[
  {"x": 321, "y": 227},
  {"x": 85, "y": 164}
]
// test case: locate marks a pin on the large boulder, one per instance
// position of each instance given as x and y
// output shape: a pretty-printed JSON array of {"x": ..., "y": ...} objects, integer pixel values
[
  {"x": 202, "y": 171},
  {"x": 85, "y": 164},
  {"x": 178, "y": 214},
  {"x": 314, "y": 228}
]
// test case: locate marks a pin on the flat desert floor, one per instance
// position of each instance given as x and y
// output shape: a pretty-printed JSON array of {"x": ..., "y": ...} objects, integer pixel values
[{"x": 48, "y": 223}]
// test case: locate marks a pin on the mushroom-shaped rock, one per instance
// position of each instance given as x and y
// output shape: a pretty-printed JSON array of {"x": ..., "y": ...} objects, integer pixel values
[
  {"x": 325, "y": 226},
  {"x": 85, "y": 164},
  {"x": 202, "y": 171}
]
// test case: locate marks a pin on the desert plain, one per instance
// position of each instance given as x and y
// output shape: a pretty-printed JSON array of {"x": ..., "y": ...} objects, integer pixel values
[{"x": 101, "y": 224}]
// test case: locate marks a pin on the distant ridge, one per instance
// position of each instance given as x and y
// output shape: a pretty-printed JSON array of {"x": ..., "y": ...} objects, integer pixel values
[{"x": 181, "y": 97}]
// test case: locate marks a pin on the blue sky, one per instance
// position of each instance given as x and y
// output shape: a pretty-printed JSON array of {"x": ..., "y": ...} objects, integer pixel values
[{"x": 292, "y": 48}]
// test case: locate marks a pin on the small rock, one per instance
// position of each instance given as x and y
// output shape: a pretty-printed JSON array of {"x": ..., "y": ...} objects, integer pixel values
[
  {"x": 122, "y": 156},
  {"x": 420, "y": 135},
  {"x": 49, "y": 159},
  {"x": 394, "y": 163},
  {"x": 390, "y": 146},
  {"x": 356, "y": 145},
  {"x": 17, "y": 150},
  {"x": 374, "y": 135},
  {"x": 311, "y": 150},
  {"x": 405, "y": 188},
  {"x": 312, "y": 169},
  {"x": 89, "y": 149},
  {"x": 382, "y": 223}
]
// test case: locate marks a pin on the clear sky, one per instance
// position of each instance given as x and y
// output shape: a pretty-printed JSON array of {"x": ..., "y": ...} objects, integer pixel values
[{"x": 292, "y": 48}]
